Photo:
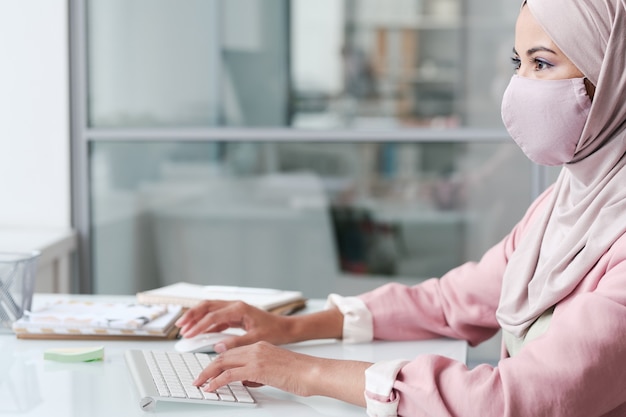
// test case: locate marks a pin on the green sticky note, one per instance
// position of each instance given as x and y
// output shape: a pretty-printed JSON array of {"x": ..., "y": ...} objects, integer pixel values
[{"x": 82, "y": 354}]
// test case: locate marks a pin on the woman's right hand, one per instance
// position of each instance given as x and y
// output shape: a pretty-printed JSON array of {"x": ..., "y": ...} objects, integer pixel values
[
  {"x": 259, "y": 325},
  {"x": 219, "y": 315}
]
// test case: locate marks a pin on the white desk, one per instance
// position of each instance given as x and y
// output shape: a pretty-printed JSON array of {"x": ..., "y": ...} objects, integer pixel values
[{"x": 30, "y": 386}]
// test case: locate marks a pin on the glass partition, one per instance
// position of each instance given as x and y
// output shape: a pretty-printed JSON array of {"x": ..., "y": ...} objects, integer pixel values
[
  {"x": 165, "y": 198},
  {"x": 321, "y": 64},
  {"x": 170, "y": 63},
  {"x": 299, "y": 215},
  {"x": 163, "y": 193}
]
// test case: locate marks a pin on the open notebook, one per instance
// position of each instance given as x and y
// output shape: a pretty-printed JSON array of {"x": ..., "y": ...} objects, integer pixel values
[
  {"x": 76, "y": 319},
  {"x": 188, "y": 295}
]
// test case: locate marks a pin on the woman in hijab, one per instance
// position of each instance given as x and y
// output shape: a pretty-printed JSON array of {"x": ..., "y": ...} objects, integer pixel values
[{"x": 556, "y": 285}]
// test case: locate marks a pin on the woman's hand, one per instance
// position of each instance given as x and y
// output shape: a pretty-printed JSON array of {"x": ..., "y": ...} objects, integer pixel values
[
  {"x": 218, "y": 315},
  {"x": 265, "y": 364}
]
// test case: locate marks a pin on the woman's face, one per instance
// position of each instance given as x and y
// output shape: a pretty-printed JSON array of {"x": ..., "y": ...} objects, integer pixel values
[{"x": 535, "y": 55}]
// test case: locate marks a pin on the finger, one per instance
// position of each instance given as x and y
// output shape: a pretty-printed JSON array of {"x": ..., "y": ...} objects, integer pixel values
[
  {"x": 194, "y": 314},
  {"x": 225, "y": 378},
  {"x": 218, "y": 328},
  {"x": 186, "y": 330},
  {"x": 184, "y": 319},
  {"x": 241, "y": 373},
  {"x": 185, "y": 325},
  {"x": 220, "y": 364},
  {"x": 237, "y": 341},
  {"x": 199, "y": 320},
  {"x": 231, "y": 315},
  {"x": 206, "y": 324},
  {"x": 207, "y": 374}
]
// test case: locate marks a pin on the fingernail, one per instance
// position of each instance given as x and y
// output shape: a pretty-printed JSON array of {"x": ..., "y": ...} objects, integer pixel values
[{"x": 219, "y": 347}]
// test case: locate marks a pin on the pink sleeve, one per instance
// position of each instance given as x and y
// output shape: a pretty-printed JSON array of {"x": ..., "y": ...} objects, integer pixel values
[
  {"x": 461, "y": 304},
  {"x": 575, "y": 369}
]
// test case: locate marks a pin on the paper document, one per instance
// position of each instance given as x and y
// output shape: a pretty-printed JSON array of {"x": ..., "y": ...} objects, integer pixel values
[
  {"x": 69, "y": 317},
  {"x": 188, "y": 295},
  {"x": 89, "y": 314}
]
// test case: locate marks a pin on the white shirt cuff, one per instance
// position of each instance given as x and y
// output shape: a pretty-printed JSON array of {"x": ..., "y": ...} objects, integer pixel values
[
  {"x": 379, "y": 396},
  {"x": 358, "y": 325}
]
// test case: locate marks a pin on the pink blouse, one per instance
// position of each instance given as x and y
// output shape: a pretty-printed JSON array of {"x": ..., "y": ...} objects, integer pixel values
[{"x": 577, "y": 368}]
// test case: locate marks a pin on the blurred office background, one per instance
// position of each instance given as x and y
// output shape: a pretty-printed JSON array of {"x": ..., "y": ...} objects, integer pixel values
[{"x": 321, "y": 146}]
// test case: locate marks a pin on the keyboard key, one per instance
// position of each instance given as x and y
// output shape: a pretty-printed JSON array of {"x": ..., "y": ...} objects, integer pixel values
[
  {"x": 241, "y": 392},
  {"x": 210, "y": 396}
]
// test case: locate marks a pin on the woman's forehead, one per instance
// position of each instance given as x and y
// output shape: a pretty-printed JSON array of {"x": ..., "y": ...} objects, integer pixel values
[{"x": 530, "y": 34}]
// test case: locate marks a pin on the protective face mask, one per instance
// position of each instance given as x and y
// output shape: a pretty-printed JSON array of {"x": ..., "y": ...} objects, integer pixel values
[{"x": 546, "y": 117}]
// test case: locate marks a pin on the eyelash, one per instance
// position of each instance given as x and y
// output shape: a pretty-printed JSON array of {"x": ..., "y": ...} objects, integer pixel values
[{"x": 535, "y": 61}]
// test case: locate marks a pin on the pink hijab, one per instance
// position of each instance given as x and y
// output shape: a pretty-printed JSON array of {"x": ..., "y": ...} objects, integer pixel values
[{"x": 587, "y": 211}]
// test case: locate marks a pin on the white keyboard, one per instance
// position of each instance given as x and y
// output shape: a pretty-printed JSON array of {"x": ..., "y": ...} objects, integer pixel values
[{"x": 168, "y": 376}]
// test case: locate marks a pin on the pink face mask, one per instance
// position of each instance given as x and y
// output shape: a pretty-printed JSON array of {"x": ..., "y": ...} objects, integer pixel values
[{"x": 546, "y": 117}]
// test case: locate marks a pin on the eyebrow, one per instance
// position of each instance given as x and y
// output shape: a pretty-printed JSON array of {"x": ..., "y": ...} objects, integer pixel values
[{"x": 536, "y": 49}]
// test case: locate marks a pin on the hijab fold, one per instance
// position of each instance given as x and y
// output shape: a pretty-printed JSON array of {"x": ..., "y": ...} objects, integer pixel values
[{"x": 587, "y": 209}]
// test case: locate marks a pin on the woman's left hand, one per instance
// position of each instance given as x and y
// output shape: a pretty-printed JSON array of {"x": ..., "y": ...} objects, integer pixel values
[{"x": 265, "y": 364}]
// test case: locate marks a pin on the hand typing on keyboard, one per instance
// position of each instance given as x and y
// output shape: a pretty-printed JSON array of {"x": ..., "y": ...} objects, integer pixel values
[
  {"x": 168, "y": 376},
  {"x": 250, "y": 358},
  {"x": 265, "y": 364}
]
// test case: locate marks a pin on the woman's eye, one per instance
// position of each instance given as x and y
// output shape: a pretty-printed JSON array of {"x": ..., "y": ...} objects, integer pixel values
[
  {"x": 541, "y": 65},
  {"x": 516, "y": 62}
]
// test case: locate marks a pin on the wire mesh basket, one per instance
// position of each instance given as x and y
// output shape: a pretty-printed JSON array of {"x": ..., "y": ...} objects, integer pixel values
[{"x": 17, "y": 284}]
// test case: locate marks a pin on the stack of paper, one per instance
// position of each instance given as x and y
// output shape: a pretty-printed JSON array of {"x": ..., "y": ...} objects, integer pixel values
[
  {"x": 94, "y": 320},
  {"x": 188, "y": 295}
]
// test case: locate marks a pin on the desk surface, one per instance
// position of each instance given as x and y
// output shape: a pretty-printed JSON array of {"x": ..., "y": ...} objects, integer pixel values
[{"x": 31, "y": 386}]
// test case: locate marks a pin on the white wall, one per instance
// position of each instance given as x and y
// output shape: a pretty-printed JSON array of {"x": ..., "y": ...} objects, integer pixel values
[{"x": 34, "y": 114}]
